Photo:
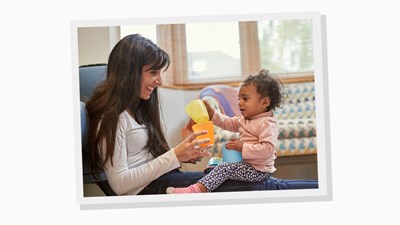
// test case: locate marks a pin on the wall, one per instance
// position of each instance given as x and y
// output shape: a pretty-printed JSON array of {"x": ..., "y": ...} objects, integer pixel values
[
  {"x": 95, "y": 44},
  {"x": 173, "y": 103}
]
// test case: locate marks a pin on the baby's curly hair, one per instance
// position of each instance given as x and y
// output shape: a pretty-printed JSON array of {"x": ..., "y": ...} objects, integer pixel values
[{"x": 268, "y": 86}]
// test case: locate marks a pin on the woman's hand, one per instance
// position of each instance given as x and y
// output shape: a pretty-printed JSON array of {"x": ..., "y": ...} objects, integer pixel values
[
  {"x": 190, "y": 149},
  {"x": 194, "y": 161},
  {"x": 210, "y": 109}
]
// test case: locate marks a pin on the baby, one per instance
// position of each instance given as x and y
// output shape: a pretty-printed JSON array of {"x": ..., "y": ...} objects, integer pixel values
[{"x": 258, "y": 129}]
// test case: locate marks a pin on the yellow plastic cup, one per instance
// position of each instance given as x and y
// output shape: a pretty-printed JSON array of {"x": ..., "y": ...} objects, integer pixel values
[
  {"x": 207, "y": 125},
  {"x": 197, "y": 111}
]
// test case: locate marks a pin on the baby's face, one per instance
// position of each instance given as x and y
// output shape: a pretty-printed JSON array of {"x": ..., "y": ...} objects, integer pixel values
[{"x": 250, "y": 101}]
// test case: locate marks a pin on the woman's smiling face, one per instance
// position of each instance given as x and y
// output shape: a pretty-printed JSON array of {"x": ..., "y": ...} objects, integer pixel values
[{"x": 151, "y": 79}]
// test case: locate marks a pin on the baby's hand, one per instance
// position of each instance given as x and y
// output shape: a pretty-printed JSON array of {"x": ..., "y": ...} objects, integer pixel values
[
  {"x": 210, "y": 109},
  {"x": 234, "y": 144}
]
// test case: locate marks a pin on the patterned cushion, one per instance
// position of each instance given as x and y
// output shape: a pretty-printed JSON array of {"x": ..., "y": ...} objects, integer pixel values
[
  {"x": 300, "y": 103},
  {"x": 296, "y": 146},
  {"x": 297, "y": 123},
  {"x": 296, "y": 128}
]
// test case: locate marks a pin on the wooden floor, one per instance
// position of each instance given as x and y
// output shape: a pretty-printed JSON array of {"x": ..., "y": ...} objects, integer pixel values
[{"x": 296, "y": 167}]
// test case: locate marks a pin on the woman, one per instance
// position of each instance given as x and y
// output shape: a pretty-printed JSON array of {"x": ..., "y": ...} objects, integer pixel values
[{"x": 126, "y": 138}]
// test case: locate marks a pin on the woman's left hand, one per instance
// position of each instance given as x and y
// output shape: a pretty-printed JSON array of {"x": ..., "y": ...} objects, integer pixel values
[
  {"x": 194, "y": 161},
  {"x": 192, "y": 150}
]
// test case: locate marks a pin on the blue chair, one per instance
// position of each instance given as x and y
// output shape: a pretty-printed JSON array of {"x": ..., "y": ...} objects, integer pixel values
[{"x": 89, "y": 77}]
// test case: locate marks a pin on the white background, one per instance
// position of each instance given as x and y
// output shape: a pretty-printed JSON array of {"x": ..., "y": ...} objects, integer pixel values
[{"x": 36, "y": 118}]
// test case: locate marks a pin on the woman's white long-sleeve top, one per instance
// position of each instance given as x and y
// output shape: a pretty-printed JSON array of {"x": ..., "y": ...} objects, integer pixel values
[{"x": 133, "y": 166}]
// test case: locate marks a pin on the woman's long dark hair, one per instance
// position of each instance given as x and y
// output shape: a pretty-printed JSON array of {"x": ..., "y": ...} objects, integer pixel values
[{"x": 121, "y": 91}]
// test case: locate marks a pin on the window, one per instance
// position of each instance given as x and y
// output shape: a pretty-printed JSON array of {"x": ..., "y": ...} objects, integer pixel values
[
  {"x": 286, "y": 46},
  {"x": 220, "y": 52},
  {"x": 213, "y": 51}
]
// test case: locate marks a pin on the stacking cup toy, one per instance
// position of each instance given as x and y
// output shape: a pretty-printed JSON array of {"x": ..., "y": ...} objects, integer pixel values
[
  {"x": 230, "y": 155},
  {"x": 207, "y": 125},
  {"x": 198, "y": 112}
]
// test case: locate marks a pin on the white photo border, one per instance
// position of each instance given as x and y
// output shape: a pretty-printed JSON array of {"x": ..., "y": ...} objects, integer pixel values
[{"x": 323, "y": 193}]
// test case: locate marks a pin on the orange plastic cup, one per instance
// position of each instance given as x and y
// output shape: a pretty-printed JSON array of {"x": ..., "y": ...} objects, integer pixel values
[{"x": 207, "y": 125}]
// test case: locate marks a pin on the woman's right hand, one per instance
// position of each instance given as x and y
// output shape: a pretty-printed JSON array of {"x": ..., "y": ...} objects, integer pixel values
[{"x": 190, "y": 149}]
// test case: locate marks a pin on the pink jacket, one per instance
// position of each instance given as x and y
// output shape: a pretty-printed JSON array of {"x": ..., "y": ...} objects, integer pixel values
[{"x": 259, "y": 135}]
